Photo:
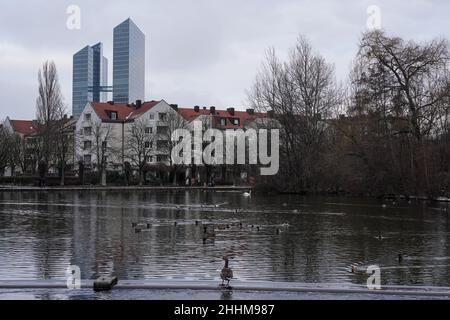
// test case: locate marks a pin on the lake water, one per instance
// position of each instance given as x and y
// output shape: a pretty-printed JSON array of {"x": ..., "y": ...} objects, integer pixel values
[{"x": 282, "y": 238}]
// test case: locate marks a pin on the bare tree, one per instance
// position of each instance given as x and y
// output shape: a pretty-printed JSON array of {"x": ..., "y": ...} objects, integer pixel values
[
  {"x": 171, "y": 122},
  {"x": 49, "y": 108},
  {"x": 404, "y": 85},
  {"x": 139, "y": 145},
  {"x": 99, "y": 144},
  {"x": 63, "y": 146},
  {"x": 302, "y": 94},
  {"x": 4, "y": 148}
]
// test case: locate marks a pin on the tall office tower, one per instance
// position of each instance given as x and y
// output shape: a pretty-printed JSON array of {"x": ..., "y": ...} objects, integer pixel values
[
  {"x": 129, "y": 63},
  {"x": 90, "y": 74}
]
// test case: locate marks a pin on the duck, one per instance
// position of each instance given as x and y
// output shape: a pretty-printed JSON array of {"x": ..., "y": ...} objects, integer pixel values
[
  {"x": 278, "y": 231},
  {"x": 207, "y": 235},
  {"x": 140, "y": 225},
  {"x": 380, "y": 237},
  {"x": 400, "y": 258},
  {"x": 247, "y": 194},
  {"x": 226, "y": 274}
]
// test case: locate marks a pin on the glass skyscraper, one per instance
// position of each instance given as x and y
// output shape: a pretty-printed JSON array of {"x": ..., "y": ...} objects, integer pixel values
[
  {"x": 90, "y": 74},
  {"x": 129, "y": 63}
]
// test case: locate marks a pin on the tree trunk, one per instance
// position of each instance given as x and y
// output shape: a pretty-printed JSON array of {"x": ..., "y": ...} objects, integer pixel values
[
  {"x": 63, "y": 173},
  {"x": 103, "y": 178}
]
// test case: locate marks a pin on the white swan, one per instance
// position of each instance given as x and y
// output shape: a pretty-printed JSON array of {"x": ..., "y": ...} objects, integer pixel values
[{"x": 247, "y": 194}]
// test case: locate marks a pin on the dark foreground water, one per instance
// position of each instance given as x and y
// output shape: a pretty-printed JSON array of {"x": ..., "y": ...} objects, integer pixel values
[{"x": 318, "y": 239}]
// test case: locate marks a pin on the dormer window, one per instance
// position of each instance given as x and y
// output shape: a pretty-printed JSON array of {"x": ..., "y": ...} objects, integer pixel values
[
  {"x": 235, "y": 121},
  {"x": 223, "y": 121},
  {"x": 87, "y": 117},
  {"x": 113, "y": 115}
]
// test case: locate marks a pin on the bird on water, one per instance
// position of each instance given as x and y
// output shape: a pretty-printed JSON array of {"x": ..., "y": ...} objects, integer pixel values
[
  {"x": 247, "y": 194},
  {"x": 226, "y": 274}
]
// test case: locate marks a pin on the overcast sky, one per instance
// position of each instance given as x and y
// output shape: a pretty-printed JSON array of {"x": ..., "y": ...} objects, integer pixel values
[{"x": 198, "y": 52}]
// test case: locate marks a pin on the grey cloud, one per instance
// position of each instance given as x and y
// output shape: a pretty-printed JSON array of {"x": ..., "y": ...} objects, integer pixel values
[{"x": 203, "y": 52}]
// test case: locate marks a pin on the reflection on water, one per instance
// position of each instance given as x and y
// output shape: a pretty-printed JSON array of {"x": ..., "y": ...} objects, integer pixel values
[{"x": 282, "y": 238}]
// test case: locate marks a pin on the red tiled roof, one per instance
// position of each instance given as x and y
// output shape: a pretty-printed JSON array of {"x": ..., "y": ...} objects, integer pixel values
[
  {"x": 24, "y": 127},
  {"x": 124, "y": 111},
  {"x": 244, "y": 117}
]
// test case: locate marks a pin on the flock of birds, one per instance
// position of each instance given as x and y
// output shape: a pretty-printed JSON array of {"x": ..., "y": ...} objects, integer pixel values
[{"x": 209, "y": 235}]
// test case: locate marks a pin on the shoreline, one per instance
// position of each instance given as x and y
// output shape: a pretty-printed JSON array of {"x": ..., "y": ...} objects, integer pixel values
[{"x": 123, "y": 188}]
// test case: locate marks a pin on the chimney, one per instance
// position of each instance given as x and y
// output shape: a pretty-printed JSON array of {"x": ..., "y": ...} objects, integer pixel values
[
  {"x": 174, "y": 107},
  {"x": 138, "y": 104},
  {"x": 231, "y": 111},
  {"x": 251, "y": 111},
  {"x": 111, "y": 102},
  {"x": 212, "y": 110},
  {"x": 196, "y": 108},
  {"x": 204, "y": 108}
]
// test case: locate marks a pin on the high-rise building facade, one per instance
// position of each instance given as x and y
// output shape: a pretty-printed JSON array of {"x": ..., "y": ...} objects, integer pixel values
[
  {"x": 129, "y": 63},
  {"x": 90, "y": 74}
]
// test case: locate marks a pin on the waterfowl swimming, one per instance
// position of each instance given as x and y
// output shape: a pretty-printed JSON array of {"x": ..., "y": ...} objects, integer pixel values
[
  {"x": 208, "y": 235},
  {"x": 278, "y": 231},
  {"x": 140, "y": 225},
  {"x": 400, "y": 257},
  {"x": 384, "y": 206},
  {"x": 257, "y": 228},
  {"x": 197, "y": 222},
  {"x": 226, "y": 274},
  {"x": 380, "y": 237},
  {"x": 247, "y": 194},
  {"x": 221, "y": 227},
  {"x": 354, "y": 269},
  {"x": 240, "y": 225}
]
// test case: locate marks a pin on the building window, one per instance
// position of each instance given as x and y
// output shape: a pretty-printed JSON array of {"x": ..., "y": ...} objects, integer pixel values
[
  {"x": 87, "y": 131},
  {"x": 152, "y": 116},
  {"x": 113, "y": 115},
  {"x": 87, "y": 159},
  {"x": 162, "y": 130},
  {"x": 149, "y": 130},
  {"x": 149, "y": 159},
  {"x": 235, "y": 121},
  {"x": 87, "y": 117},
  {"x": 162, "y": 116},
  {"x": 223, "y": 121},
  {"x": 87, "y": 145},
  {"x": 147, "y": 144}
]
